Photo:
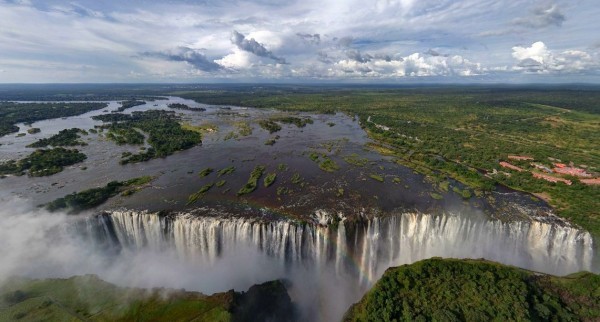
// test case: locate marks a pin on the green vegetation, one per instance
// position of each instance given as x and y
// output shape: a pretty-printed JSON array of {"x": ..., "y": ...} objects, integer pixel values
[
  {"x": 436, "y": 196},
  {"x": 465, "y": 193},
  {"x": 205, "y": 172},
  {"x": 13, "y": 113},
  {"x": 181, "y": 106},
  {"x": 296, "y": 179},
  {"x": 269, "y": 125},
  {"x": 282, "y": 167},
  {"x": 476, "y": 290},
  {"x": 165, "y": 134},
  {"x": 91, "y": 198},
  {"x": 299, "y": 122},
  {"x": 396, "y": 180},
  {"x": 220, "y": 183},
  {"x": 270, "y": 142},
  {"x": 129, "y": 104},
  {"x": 377, "y": 177},
  {"x": 244, "y": 128},
  {"x": 87, "y": 298},
  {"x": 325, "y": 163},
  {"x": 462, "y": 133},
  {"x": 34, "y": 130},
  {"x": 122, "y": 134},
  {"x": 43, "y": 162},
  {"x": 199, "y": 194},
  {"x": 67, "y": 137},
  {"x": 270, "y": 179},
  {"x": 252, "y": 183},
  {"x": 225, "y": 171},
  {"x": 356, "y": 160}
]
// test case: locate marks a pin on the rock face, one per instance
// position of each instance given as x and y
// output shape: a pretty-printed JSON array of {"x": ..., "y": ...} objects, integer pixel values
[
  {"x": 477, "y": 290},
  {"x": 360, "y": 249}
]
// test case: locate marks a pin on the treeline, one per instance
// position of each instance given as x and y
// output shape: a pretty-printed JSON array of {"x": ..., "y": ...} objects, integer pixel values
[
  {"x": 165, "y": 134},
  {"x": 43, "y": 162},
  {"x": 12, "y": 113}
]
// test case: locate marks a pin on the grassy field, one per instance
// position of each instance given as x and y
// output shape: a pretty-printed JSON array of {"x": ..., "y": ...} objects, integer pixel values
[
  {"x": 476, "y": 290},
  {"x": 463, "y": 132}
]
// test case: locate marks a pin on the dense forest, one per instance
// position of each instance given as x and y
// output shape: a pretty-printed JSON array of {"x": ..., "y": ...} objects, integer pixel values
[
  {"x": 43, "y": 162},
  {"x": 476, "y": 290},
  {"x": 13, "y": 113},
  {"x": 66, "y": 137},
  {"x": 165, "y": 133}
]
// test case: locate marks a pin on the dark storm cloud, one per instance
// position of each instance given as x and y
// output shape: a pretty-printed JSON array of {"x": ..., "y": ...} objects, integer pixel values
[
  {"x": 543, "y": 17},
  {"x": 253, "y": 46},
  {"x": 188, "y": 55},
  {"x": 313, "y": 39}
]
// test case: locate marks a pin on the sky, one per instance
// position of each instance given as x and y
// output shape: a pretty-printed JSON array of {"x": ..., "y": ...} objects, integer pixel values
[{"x": 368, "y": 41}]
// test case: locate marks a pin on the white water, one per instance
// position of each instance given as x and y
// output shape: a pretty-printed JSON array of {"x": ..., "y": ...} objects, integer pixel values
[{"x": 361, "y": 250}]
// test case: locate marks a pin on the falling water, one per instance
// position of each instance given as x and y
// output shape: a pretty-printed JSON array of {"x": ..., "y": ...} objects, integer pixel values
[{"x": 361, "y": 249}]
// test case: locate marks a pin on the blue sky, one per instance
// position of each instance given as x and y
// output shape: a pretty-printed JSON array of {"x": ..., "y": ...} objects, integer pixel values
[{"x": 379, "y": 41}]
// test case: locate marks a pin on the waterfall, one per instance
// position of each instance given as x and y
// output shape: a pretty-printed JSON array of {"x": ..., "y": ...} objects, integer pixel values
[{"x": 361, "y": 249}]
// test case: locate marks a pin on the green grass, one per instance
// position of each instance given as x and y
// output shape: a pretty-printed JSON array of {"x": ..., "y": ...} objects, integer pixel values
[{"x": 476, "y": 290}]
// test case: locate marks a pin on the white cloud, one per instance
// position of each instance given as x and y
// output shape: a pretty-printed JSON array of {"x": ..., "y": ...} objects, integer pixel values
[
  {"x": 539, "y": 59},
  {"x": 414, "y": 65}
]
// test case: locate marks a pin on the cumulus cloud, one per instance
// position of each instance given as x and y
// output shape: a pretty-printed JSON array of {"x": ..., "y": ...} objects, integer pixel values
[
  {"x": 185, "y": 54},
  {"x": 543, "y": 16},
  {"x": 539, "y": 59},
  {"x": 413, "y": 65},
  {"x": 254, "y": 47},
  {"x": 313, "y": 39}
]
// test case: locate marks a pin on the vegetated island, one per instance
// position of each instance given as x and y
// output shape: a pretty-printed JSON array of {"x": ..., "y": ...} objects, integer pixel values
[
  {"x": 129, "y": 104},
  {"x": 43, "y": 162},
  {"x": 465, "y": 133},
  {"x": 90, "y": 198},
  {"x": 66, "y": 137},
  {"x": 165, "y": 133},
  {"x": 180, "y": 106},
  {"x": 477, "y": 290},
  {"x": 12, "y": 113},
  {"x": 88, "y": 298}
]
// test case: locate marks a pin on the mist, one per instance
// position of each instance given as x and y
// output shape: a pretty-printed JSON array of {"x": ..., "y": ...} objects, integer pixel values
[{"x": 39, "y": 244}]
